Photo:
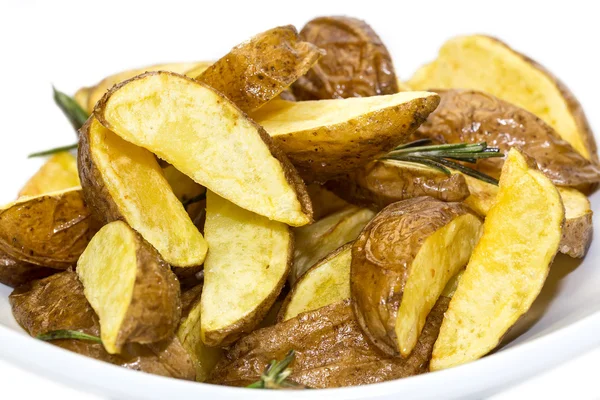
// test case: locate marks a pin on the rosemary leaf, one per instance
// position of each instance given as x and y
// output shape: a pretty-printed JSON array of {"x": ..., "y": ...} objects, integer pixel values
[
  {"x": 73, "y": 111},
  {"x": 193, "y": 200},
  {"x": 53, "y": 151},
  {"x": 468, "y": 171},
  {"x": 276, "y": 374},
  {"x": 68, "y": 334},
  {"x": 420, "y": 160}
]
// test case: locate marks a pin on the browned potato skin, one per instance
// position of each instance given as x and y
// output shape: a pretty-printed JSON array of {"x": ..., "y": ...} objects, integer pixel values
[
  {"x": 58, "y": 302},
  {"x": 331, "y": 351},
  {"x": 381, "y": 256},
  {"x": 46, "y": 231},
  {"x": 15, "y": 273},
  {"x": 472, "y": 116},
  {"x": 323, "y": 201},
  {"x": 258, "y": 70},
  {"x": 379, "y": 184},
  {"x": 577, "y": 236},
  {"x": 356, "y": 64}
]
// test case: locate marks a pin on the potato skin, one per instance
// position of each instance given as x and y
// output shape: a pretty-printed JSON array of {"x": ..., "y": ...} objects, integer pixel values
[
  {"x": 472, "y": 116},
  {"x": 331, "y": 351},
  {"x": 356, "y": 63},
  {"x": 379, "y": 184},
  {"x": 577, "y": 236},
  {"x": 381, "y": 259},
  {"x": 15, "y": 273},
  {"x": 256, "y": 71}
]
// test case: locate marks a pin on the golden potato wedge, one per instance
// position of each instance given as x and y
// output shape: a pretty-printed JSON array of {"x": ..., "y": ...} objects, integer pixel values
[
  {"x": 509, "y": 265},
  {"x": 97, "y": 91},
  {"x": 58, "y": 302},
  {"x": 82, "y": 96},
  {"x": 313, "y": 242},
  {"x": 473, "y": 117},
  {"x": 131, "y": 288},
  {"x": 482, "y": 195},
  {"x": 330, "y": 348},
  {"x": 51, "y": 230},
  {"x": 244, "y": 272},
  {"x": 326, "y": 282},
  {"x": 356, "y": 62},
  {"x": 578, "y": 228},
  {"x": 259, "y": 69},
  {"x": 124, "y": 182},
  {"x": 404, "y": 86},
  {"x": 327, "y": 138},
  {"x": 401, "y": 262},
  {"x": 324, "y": 202},
  {"x": 487, "y": 64},
  {"x": 185, "y": 189},
  {"x": 224, "y": 150},
  {"x": 188, "y": 333},
  {"x": 381, "y": 183},
  {"x": 58, "y": 173}
]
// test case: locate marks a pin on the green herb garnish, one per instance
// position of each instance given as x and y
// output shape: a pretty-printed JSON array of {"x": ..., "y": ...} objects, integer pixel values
[
  {"x": 276, "y": 374},
  {"x": 73, "y": 111},
  {"x": 444, "y": 156},
  {"x": 54, "y": 151},
  {"x": 68, "y": 334}
]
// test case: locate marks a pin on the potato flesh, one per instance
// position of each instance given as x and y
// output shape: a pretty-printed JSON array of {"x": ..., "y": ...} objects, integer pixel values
[
  {"x": 244, "y": 271},
  {"x": 195, "y": 129},
  {"x": 440, "y": 257},
  {"x": 110, "y": 297},
  {"x": 483, "y": 63},
  {"x": 143, "y": 196},
  {"x": 325, "y": 283},
  {"x": 508, "y": 267},
  {"x": 58, "y": 173}
]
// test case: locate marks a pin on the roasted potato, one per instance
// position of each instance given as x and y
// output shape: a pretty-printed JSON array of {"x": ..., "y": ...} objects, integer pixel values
[
  {"x": 246, "y": 268},
  {"x": 472, "y": 117},
  {"x": 330, "y": 348},
  {"x": 578, "y": 227},
  {"x": 15, "y": 273},
  {"x": 130, "y": 287},
  {"x": 313, "y": 242},
  {"x": 225, "y": 151},
  {"x": 259, "y": 69},
  {"x": 58, "y": 302},
  {"x": 487, "y": 64},
  {"x": 58, "y": 173},
  {"x": 328, "y": 138},
  {"x": 381, "y": 183},
  {"x": 124, "y": 182},
  {"x": 82, "y": 96},
  {"x": 509, "y": 265},
  {"x": 185, "y": 189},
  {"x": 356, "y": 63},
  {"x": 401, "y": 262},
  {"x": 324, "y": 202}
]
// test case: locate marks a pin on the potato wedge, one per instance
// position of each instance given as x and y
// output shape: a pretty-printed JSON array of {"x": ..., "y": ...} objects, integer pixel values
[
  {"x": 131, "y": 288},
  {"x": 313, "y": 242},
  {"x": 487, "y": 64},
  {"x": 124, "y": 182},
  {"x": 224, "y": 150},
  {"x": 259, "y": 69},
  {"x": 472, "y": 116},
  {"x": 15, "y": 273},
  {"x": 188, "y": 333},
  {"x": 58, "y": 302},
  {"x": 356, "y": 62},
  {"x": 245, "y": 270},
  {"x": 401, "y": 262},
  {"x": 578, "y": 228},
  {"x": 326, "y": 282},
  {"x": 51, "y": 230},
  {"x": 58, "y": 173},
  {"x": 331, "y": 351},
  {"x": 327, "y": 138},
  {"x": 185, "y": 189},
  {"x": 381, "y": 183},
  {"x": 509, "y": 265},
  {"x": 324, "y": 202},
  {"x": 482, "y": 195},
  {"x": 82, "y": 96}
]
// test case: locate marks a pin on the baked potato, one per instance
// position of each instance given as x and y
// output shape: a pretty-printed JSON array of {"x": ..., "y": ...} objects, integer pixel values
[
  {"x": 381, "y": 183},
  {"x": 225, "y": 151},
  {"x": 187, "y": 191},
  {"x": 509, "y": 265},
  {"x": 124, "y": 182},
  {"x": 246, "y": 268},
  {"x": 356, "y": 62},
  {"x": 471, "y": 116},
  {"x": 58, "y": 173},
  {"x": 324, "y": 202},
  {"x": 258, "y": 70},
  {"x": 578, "y": 228},
  {"x": 58, "y": 302},
  {"x": 401, "y": 262},
  {"x": 313, "y": 242},
  {"x": 130, "y": 287},
  {"x": 487, "y": 64},
  {"x": 327, "y": 138}
]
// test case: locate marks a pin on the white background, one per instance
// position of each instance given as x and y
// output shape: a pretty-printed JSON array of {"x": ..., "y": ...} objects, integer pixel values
[{"x": 72, "y": 44}]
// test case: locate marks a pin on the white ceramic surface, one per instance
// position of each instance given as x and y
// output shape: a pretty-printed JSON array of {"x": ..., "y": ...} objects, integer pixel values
[{"x": 71, "y": 44}]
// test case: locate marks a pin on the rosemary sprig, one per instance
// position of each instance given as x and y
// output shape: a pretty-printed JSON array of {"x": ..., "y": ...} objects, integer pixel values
[
  {"x": 54, "y": 150},
  {"x": 193, "y": 200},
  {"x": 443, "y": 156},
  {"x": 276, "y": 374},
  {"x": 73, "y": 111},
  {"x": 68, "y": 334}
]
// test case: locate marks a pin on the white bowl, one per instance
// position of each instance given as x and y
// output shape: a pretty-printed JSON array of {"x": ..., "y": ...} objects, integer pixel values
[{"x": 78, "y": 46}]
